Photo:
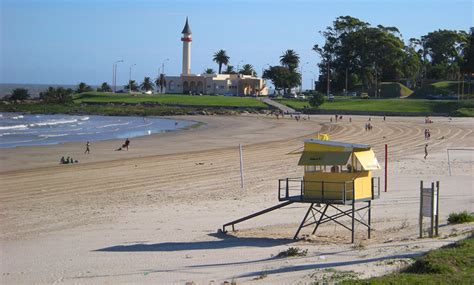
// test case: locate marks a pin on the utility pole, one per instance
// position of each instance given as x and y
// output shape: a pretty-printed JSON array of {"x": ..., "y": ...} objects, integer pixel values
[
  {"x": 328, "y": 75},
  {"x": 115, "y": 74},
  {"x": 130, "y": 79},
  {"x": 346, "y": 82}
]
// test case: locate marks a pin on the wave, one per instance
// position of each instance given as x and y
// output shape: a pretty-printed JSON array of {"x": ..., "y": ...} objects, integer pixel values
[
  {"x": 18, "y": 117},
  {"x": 84, "y": 119},
  {"x": 53, "y": 136},
  {"x": 52, "y": 123},
  {"x": 112, "y": 125},
  {"x": 14, "y": 127}
]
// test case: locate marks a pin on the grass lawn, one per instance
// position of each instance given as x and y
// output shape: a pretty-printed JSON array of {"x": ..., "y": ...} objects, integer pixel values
[
  {"x": 465, "y": 108},
  {"x": 452, "y": 264},
  {"x": 165, "y": 99}
]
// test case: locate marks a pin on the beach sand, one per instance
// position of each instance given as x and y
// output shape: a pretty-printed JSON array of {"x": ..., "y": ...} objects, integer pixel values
[{"x": 152, "y": 214}]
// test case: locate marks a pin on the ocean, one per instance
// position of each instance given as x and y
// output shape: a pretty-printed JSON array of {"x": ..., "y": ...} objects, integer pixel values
[{"x": 30, "y": 130}]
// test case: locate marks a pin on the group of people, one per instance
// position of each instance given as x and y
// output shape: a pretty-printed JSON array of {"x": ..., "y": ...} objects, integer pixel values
[
  {"x": 368, "y": 126},
  {"x": 68, "y": 160},
  {"x": 427, "y": 134}
]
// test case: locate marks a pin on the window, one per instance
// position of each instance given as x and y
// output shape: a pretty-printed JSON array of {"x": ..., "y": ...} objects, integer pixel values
[{"x": 311, "y": 168}]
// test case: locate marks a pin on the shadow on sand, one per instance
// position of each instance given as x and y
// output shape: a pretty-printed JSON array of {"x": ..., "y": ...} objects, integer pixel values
[{"x": 224, "y": 241}]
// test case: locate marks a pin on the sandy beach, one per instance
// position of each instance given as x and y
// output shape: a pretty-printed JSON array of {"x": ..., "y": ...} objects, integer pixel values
[{"x": 152, "y": 214}]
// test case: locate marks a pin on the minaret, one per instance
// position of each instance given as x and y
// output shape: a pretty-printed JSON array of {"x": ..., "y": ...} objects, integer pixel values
[{"x": 186, "y": 39}]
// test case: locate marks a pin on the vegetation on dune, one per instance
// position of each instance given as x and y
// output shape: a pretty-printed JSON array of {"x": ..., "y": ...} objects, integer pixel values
[
  {"x": 115, "y": 110},
  {"x": 19, "y": 94},
  {"x": 459, "y": 218},
  {"x": 184, "y": 100},
  {"x": 452, "y": 264}
]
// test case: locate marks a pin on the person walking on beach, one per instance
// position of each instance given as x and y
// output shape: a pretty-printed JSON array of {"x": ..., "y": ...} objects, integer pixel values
[
  {"x": 88, "y": 150},
  {"x": 426, "y": 150}
]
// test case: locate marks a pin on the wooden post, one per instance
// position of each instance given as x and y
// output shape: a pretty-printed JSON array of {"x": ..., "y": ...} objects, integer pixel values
[
  {"x": 386, "y": 166},
  {"x": 421, "y": 209},
  {"x": 241, "y": 168}
]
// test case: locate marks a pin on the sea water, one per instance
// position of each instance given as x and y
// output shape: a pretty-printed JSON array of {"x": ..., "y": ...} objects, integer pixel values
[{"x": 29, "y": 130}]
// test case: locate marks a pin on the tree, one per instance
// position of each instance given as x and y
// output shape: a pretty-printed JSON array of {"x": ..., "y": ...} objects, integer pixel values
[
  {"x": 82, "y": 87},
  {"x": 282, "y": 78},
  {"x": 104, "y": 87},
  {"x": 290, "y": 59},
  {"x": 247, "y": 69},
  {"x": 316, "y": 99},
  {"x": 209, "y": 71},
  {"x": 133, "y": 85},
  {"x": 160, "y": 82},
  {"x": 147, "y": 85},
  {"x": 56, "y": 95},
  {"x": 221, "y": 58},
  {"x": 229, "y": 70},
  {"x": 19, "y": 94}
]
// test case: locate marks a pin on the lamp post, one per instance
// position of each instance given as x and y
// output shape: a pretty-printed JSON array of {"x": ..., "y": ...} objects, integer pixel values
[
  {"x": 238, "y": 72},
  {"x": 130, "y": 79},
  {"x": 313, "y": 80},
  {"x": 114, "y": 74},
  {"x": 301, "y": 86},
  {"x": 163, "y": 65}
]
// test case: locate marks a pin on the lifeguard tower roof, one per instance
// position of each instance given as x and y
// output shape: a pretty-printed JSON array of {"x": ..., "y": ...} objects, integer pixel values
[
  {"x": 318, "y": 152},
  {"x": 339, "y": 145}
]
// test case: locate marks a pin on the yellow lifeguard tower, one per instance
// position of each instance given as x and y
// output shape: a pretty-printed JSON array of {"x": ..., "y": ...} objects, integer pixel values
[{"x": 336, "y": 174}]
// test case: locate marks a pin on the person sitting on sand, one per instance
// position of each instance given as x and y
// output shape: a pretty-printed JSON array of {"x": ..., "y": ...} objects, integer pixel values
[{"x": 62, "y": 160}]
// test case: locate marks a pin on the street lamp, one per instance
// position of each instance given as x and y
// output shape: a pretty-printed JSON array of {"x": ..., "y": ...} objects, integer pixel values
[
  {"x": 130, "y": 78},
  {"x": 163, "y": 65},
  {"x": 114, "y": 74},
  {"x": 301, "y": 86},
  {"x": 313, "y": 80}
]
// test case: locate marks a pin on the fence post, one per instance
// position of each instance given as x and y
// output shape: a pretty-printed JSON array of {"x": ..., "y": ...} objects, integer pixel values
[
  {"x": 241, "y": 167},
  {"x": 287, "y": 190},
  {"x": 437, "y": 208}
]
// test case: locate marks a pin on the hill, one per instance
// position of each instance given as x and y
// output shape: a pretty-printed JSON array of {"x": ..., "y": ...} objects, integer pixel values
[
  {"x": 442, "y": 89},
  {"x": 387, "y": 90}
]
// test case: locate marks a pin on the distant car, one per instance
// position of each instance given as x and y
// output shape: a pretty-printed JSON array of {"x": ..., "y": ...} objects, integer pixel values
[
  {"x": 364, "y": 96},
  {"x": 352, "y": 94},
  {"x": 330, "y": 97},
  {"x": 149, "y": 92}
]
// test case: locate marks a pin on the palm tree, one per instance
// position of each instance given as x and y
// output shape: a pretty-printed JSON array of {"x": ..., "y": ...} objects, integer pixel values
[
  {"x": 82, "y": 87},
  {"x": 146, "y": 85},
  {"x": 221, "y": 58},
  {"x": 133, "y": 85},
  {"x": 160, "y": 82},
  {"x": 104, "y": 87},
  {"x": 209, "y": 71},
  {"x": 290, "y": 59},
  {"x": 229, "y": 70},
  {"x": 247, "y": 69}
]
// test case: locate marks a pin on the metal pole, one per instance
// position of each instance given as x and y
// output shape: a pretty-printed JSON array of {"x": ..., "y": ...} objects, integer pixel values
[
  {"x": 386, "y": 166},
  {"x": 353, "y": 217},
  {"x": 449, "y": 163},
  {"x": 113, "y": 74},
  {"x": 346, "y": 82},
  {"x": 241, "y": 168},
  {"x": 328, "y": 75},
  {"x": 432, "y": 209},
  {"x": 115, "y": 77},
  {"x": 370, "y": 212},
  {"x": 437, "y": 208},
  {"x": 421, "y": 209}
]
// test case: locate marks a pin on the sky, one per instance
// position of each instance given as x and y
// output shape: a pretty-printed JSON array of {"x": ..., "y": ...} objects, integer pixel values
[{"x": 71, "y": 41}]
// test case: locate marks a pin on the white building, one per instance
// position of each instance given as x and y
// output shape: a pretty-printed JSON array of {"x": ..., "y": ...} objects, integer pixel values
[{"x": 211, "y": 84}]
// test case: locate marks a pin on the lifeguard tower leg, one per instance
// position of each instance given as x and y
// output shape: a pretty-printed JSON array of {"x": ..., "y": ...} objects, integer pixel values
[
  {"x": 303, "y": 221},
  {"x": 320, "y": 218}
]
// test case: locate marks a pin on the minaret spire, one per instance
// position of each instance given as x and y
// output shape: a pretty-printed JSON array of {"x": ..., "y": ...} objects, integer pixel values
[{"x": 186, "y": 39}]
